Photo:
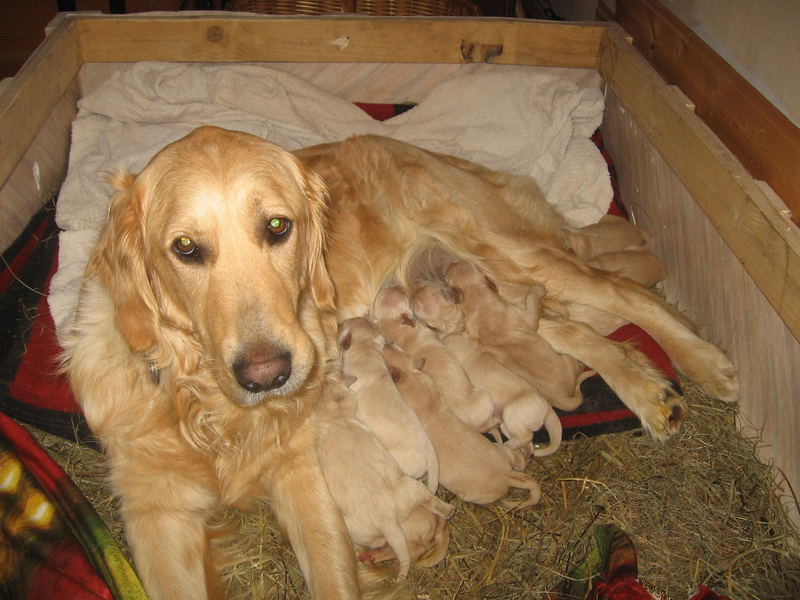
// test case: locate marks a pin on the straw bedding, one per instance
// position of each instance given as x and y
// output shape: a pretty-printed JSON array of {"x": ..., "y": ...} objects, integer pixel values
[{"x": 701, "y": 509}]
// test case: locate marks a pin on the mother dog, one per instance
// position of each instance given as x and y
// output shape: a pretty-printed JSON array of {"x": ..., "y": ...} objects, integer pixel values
[{"x": 209, "y": 311}]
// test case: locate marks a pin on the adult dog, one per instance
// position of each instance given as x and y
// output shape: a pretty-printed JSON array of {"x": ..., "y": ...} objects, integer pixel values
[{"x": 209, "y": 311}]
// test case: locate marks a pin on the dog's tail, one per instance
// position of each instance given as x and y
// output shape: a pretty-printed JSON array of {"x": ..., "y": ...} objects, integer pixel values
[
  {"x": 523, "y": 481},
  {"x": 553, "y": 426}
]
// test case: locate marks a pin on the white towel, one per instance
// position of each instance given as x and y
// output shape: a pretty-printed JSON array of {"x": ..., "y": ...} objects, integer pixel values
[{"x": 527, "y": 121}]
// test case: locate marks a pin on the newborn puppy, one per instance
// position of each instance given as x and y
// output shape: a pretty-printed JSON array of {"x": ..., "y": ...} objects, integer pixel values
[
  {"x": 373, "y": 494},
  {"x": 427, "y": 534},
  {"x": 641, "y": 266},
  {"x": 509, "y": 332},
  {"x": 394, "y": 316},
  {"x": 521, "y": 408},
  {"x": 470, "y": 466},
  {"x": 438, "y": 306},
  {"x": 610, "y": 234},
  {"x": 380, "y": 406}
]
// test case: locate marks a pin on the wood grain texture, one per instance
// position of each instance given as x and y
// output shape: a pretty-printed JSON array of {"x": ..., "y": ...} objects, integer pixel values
[
  {"x": 27, "y": 102},
  {"x": 242, "y": 38},
  {"x": 764, "y": 241},
  {"x": 759, "y": 135},
  {"x": 709, "y": 284}
]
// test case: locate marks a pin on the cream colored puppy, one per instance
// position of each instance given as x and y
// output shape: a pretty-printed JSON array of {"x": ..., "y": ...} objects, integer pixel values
[
  {"x": 641, "y": 266},
  {"x": 394, "y": 316},
  {"x": 373, "y": 494},
  {"x": 610, "y": 234},
  {"x": 380, "y": 406},
  {"x": 509, "y": 332},
  {"x": 521, "y": 408},
  {"x": 427, "y": 534},
  {"x": 470, "y": 466}
]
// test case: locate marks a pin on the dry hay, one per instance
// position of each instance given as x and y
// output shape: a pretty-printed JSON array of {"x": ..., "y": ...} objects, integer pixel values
[{"x": 701, "y": 509}]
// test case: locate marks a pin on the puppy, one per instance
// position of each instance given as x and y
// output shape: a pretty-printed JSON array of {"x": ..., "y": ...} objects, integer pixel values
[
  {"x": 521, "y": 408},
  {"x": 427, "y": 534},
  {"x": 510, "y": 334},
  {"x": 610, "y": 234},
  {"x": 369, "y": 488},
  {"x": 641, "y": 266},
  {"x": 470, "y": 466},
  {"x": 380, "y": 406},
  {"x": 393, "y": 314}
]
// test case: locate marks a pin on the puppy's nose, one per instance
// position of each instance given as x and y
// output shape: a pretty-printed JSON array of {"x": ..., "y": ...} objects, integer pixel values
[{"x": 263, "y": 370}]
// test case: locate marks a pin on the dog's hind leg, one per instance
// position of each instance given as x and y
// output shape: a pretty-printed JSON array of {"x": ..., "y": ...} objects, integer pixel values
[
  {"x": 641, "y": 387},
  {"x": 570, "y": 281}
]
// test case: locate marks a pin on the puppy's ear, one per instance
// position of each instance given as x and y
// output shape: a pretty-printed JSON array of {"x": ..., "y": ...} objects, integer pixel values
[
  {"x": 119, "y": 261},
  {"x": 395, "y": 373},
  {"x": 346, "y": 341},
  {"x": 316, "y": 193}
]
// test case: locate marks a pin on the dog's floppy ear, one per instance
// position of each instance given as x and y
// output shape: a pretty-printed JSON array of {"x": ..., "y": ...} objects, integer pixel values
[
  {"x": 119, "y": 261},
  {"x": 316, "y": 193}
]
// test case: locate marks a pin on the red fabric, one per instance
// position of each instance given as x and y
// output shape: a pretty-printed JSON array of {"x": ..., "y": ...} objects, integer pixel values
[
  {"x": 37, "y": 381},
  {"x": 379, "y": 112},
  {"x": 55, "y": 562},
  {"x": 647, "y": 345}
]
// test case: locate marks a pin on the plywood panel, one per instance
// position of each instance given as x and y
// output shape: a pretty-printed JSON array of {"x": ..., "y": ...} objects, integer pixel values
[
  {"x": 708, "y": 283},
  {"x": 745, "y": 217}
]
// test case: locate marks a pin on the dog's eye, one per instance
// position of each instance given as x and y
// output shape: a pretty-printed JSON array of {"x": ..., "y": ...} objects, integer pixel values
[
  {"x": 278, "y": 228},
  {"x": 186, "y": 248}
]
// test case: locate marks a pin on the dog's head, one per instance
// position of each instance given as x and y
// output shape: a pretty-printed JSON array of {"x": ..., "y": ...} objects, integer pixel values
[{"x": 215, "y": 251}]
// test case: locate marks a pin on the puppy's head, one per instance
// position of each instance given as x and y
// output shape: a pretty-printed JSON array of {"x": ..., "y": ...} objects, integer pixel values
[
  {"x": 393, "y": 303},
  {"x": 438, "y": 306},
  {"x": 213, "y": 256}
]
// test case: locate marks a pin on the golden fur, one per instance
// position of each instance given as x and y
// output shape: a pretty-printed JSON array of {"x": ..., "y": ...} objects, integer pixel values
[{"x": 199, "y": 376}]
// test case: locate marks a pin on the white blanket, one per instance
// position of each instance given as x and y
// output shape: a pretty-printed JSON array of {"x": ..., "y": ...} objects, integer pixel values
[{"x": 527, "y": 121}]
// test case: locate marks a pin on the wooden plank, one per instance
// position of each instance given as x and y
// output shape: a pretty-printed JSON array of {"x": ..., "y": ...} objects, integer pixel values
[
  {"x": 241, "y": 38},
  {"x": 752, "y": 226},
  {"x": 26, "y": 103},
  {"x": 708, "y": 283},
  {"x": 39, "y": 174},
  {"x": 759, "y": 135}
]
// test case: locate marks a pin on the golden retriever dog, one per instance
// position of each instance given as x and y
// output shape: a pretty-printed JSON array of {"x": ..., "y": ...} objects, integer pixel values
[
  {"x": 473, "y": 468},
  {"x": 375, "y": 496},
  {"x": 210, "y": 307},
  {"x": 380, "y": 406}
]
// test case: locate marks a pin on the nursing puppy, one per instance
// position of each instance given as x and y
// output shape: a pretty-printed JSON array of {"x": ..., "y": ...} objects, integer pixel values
[
  {"x": 380, "y": 406},
  {"x": 394, "y": 316},
  {"x": 510, "y": 334},
  {"x": 427, "y": 534},
  {"x": 373, "y": 494},
  {"x": 470, "y": 466}
]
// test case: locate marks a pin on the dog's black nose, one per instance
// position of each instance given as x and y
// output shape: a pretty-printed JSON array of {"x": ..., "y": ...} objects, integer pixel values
[{"x": 261, "y": 372}]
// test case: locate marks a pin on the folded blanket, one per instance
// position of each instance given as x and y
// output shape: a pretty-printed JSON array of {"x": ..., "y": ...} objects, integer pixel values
[{"x": 526, "y": 121}]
